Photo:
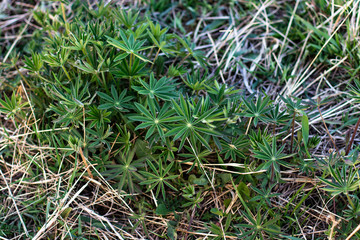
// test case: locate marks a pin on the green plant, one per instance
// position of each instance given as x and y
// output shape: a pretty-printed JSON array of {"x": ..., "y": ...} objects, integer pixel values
[
  {"x": 157, "y": 88},
  {"x": 355, "y": 93},
  {"x": 272, "y": 156},
  {"x": 354, "y": 209},
  {"x": 194, "y": 122},
  {"x": 234, "y": 148},
  {"x": 116, "y": 101},
  {"x": 13, "y": 107},
  {"x": 294, "y": 109},
  {"x": 195, "y": 81},
  {"x": 129, "y": 46},
  {"x": 277, "y": 117},
  {"x": 157, "y": 119},
  {"x": 193, "y": 198},
  {"x": 264, "y": 195},
  {"x": 98, "y": 117},
  {"x": 256, "y": 111},
  {"x": 159, "y": 177},
  {"x": 258, "y": 225},
  {"x": 126, "y": 171},
  {"x": 343, "y": 181}
]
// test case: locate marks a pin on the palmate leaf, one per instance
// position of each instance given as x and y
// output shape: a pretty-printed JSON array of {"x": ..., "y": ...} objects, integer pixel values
[
  {"x": 159, "y": 177},
  {"x": 264, "y": 194},
  {"x": 116, "y": 101},
  {"x": 190, "y": 156},
  {"x": 162, "y": 88},
  {"x": 12, "y": 106},
  {"x": 126, "y": 170},
  {"x": 294, "y": 106},
  {"x": 58, "y": 59},
  {"x": 34, "y": 64},
  {"x": 272, "y": 157},
  {"x": 98, "y": 137},
  {"x": 220, "y": 92},
  {"x": 98, "y": 117},
  {"x": 156, "y": 32},
  {"x": 76, "y": 96},
  {"x": 157, "y": 120},
  {"x": 355, "y": 90},
  {"x": 257, "y": 225},
  {"x": 128, "y": 19},
  {"x": 204, "y": 104},
  {"x": 190, "y": 47},
  {"x": 257, "y": 110},
  {"x": 343, "y": 181},
  {"x": 71, "y": 102},
  {"x": 66, "y": 115},
  {"x": 161, "y": 43},
  {"x": 86, "y": 67},
  {"x": 78, "y": 42},
  {"x": 234, "y": 148},
  {"x": 193, "y": 124},
  {"x": 195, "y": 81},
  {"x": 125, "y": 70},
  {"x": 129, "y": 46},
  {"x": 176, "y": 71},
  {"x": 259, "y": 137},
  {"x": 277, "y": 116}
]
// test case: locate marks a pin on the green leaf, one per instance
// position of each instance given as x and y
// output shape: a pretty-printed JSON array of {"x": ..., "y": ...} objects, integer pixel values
[
  {"x": 243, "y": 190},
  {"x": 216, "y": 212},
  {"x": 66, "y": 213},
  {"x": 305, "y": 129},
  {"x": 305, "y": 132},
  {"x": 142, "y": 149}
]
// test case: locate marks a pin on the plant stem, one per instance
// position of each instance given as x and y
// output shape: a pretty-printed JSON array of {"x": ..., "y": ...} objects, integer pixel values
[
  {"x": 353, "y": 137},
  {"x": 183, "y": 60},
  {"x": 42, "y": 78},
  {"x": 272, "y": 173},
  {"x": 157, "y": 53},
  {"x": 349, "y": 199},
  {"x": 274, "y": 129},
  {"x": 66, "y": 73},
  {"x": 85, "y": 163},
  {"x": 190, "y": 222},
  {"x": 151, "y": 51}
]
